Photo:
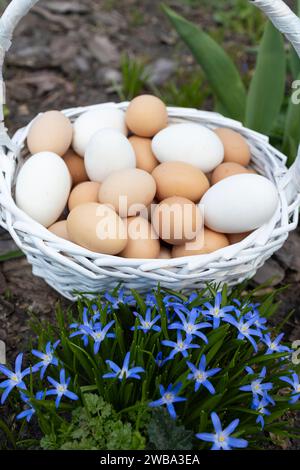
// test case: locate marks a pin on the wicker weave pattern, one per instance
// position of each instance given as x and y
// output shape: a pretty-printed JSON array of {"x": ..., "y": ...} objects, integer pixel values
[{"x": 68, "y": 267}]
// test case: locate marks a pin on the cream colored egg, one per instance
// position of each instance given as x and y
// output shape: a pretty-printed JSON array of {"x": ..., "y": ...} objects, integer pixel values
[
  {"x": 236, "y": 147},
  {"x": 76, "y": 167},
  {"x": 142, "y": 240},
  {"x": 177, "y": 220},
  {"x": 108, "y": 151},
  {"x": 128, "y": 191},
  {"x": 146, "y": 115},
  {"x": 60, "y": 229},
  {"x": 227, "y": 169},
  {"x": 84, "y": 192},
  {"x": 43, "y": 187},
  {"x": 98, "y": 228},
  {"x": 90, "y": 122},
  {"x": 239, "y": 203},
  {"x": 206, "y": 242},
  {"x": 145, "y": 159},
  {"x": 189, "y": 143},
  {"x": 50, "y": 132},
  {"x": 179, "y": 179}
]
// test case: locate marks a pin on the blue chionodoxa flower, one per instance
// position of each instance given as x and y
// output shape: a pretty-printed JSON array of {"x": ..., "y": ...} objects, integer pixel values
[
  {"x": 245, "y": 329},
  {"x": 257, "y": 387},
  {"x": 124, "y": 371},
  {"x": 61, "y": 388},
  {"x": 86, "y": 323},
  {"x": 201, "y": 376},
  {"x": 294, "y": 382},
  {"x": 188, "y": 323},
  {"x": 147, "y": 323},
  {"x": 119, "y": 299},
  {"x": 169, "y": 396},
  {"x": 274, "y": 345},
  {"x": 217, "y": 312},
  {"x": 222, "y": 439},
  {"x": 180, "y": 347},
  {"x": 260, "y": 405},
  {"x": 47, "y": 357},
  {"x": 30, "y": 411},
  {"x": 14, "y": 378},
  {"x": 98, "y": 334}
]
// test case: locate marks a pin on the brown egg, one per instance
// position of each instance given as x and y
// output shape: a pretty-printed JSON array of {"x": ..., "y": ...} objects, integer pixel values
[
  {"x": 165, "y": 252},
  {"x": 237, "y": 237},
  {"x": 76, "y": 167},
  {"x": 179, "y": 179},
  {"x": 60, "y": 229},
  {"x": 236, "y": 146},
  {"x": 84, "y": 192},
  {"x": 145, "y": 159},
  {"x": 142, "y": 240},
  {"x": 128, "y": 191},
  {"x": 146, "y": 116},
  {"x": 52, "y": 132},
  {"x": 206, "y": 242},
  {"x": 227, "y": 169},
  {"x": 177, "y": 220},
  {"x": 98, "y": 228}
]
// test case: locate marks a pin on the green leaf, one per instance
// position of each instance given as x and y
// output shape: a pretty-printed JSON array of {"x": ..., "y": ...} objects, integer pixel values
[
  {"x": 221, "y": 72},
  {"x": 11, "y": 255},
  {"x": 267, "y": 87},
  {"x": 291, "y": 136},
  {"x": 164, "y": 434}
]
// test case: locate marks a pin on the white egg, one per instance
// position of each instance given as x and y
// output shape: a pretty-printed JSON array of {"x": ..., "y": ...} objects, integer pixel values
[
  {"x": 190, "y": 143},
  {"x": 108, "y": 151},
  {"x": 43, "y": 187},
  {"x": 92, "y": 121},
  {"x": 239, "y": 203}
]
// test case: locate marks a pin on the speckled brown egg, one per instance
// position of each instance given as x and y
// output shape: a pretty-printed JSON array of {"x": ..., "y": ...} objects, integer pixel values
[
  {"x": 179, "y": 179},
  {"x": 76, "y": 167},
  {"x": 177, "y": 220},
  {"x": 227, "y": 169},
  {"x": 127, "y": 191},
  {"x": 142, "y": 240},
  {"x": 146, "y": 116},
  {"x": 84, "y": 192},
  {"x": 51, "y": 132},
  {"x": 98, "y": 228},
  {"x": 206, "y": 242},
  {"x": 60, "y": 229},
  {"x": 236, "y": 147},
  {"x": 145, "y": 159}
]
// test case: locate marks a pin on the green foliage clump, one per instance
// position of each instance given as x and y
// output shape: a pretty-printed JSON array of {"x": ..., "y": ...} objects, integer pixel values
[{"x": 94, "y": 426}]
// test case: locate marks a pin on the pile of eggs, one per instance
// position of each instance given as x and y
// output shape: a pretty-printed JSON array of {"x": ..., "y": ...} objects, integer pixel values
[{"x": 79, "y": 174}]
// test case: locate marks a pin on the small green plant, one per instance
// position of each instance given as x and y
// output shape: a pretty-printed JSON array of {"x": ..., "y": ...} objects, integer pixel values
[
  {"x": 94, "y": 426},
  {"x": 158, "y": 370},
  {"x": 190, "y": 94},
  {"x": 134, "y": 78},
  {"x": 261, "y": 108}
]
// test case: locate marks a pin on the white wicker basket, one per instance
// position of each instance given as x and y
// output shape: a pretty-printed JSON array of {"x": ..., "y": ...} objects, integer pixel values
[{"x": 69, "y": 268}]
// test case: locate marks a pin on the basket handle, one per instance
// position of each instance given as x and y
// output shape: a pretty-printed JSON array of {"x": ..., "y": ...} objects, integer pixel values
[{"x": 277, "y": 10}]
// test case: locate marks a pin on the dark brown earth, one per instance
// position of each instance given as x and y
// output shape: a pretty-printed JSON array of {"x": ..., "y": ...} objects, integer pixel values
[{"x": 67, "y": 54}]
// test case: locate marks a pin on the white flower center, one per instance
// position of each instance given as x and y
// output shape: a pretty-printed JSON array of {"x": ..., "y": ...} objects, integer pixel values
[
  {"x": 168, "y": 397},
  {"x": 61, "y": 388},
  {"x": 47, "y": 359},
  {"x": 200, "y": 376}
]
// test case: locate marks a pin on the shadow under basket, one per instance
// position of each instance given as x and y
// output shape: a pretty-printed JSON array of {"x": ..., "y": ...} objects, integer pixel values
[{"x": 69, "y": 268}]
